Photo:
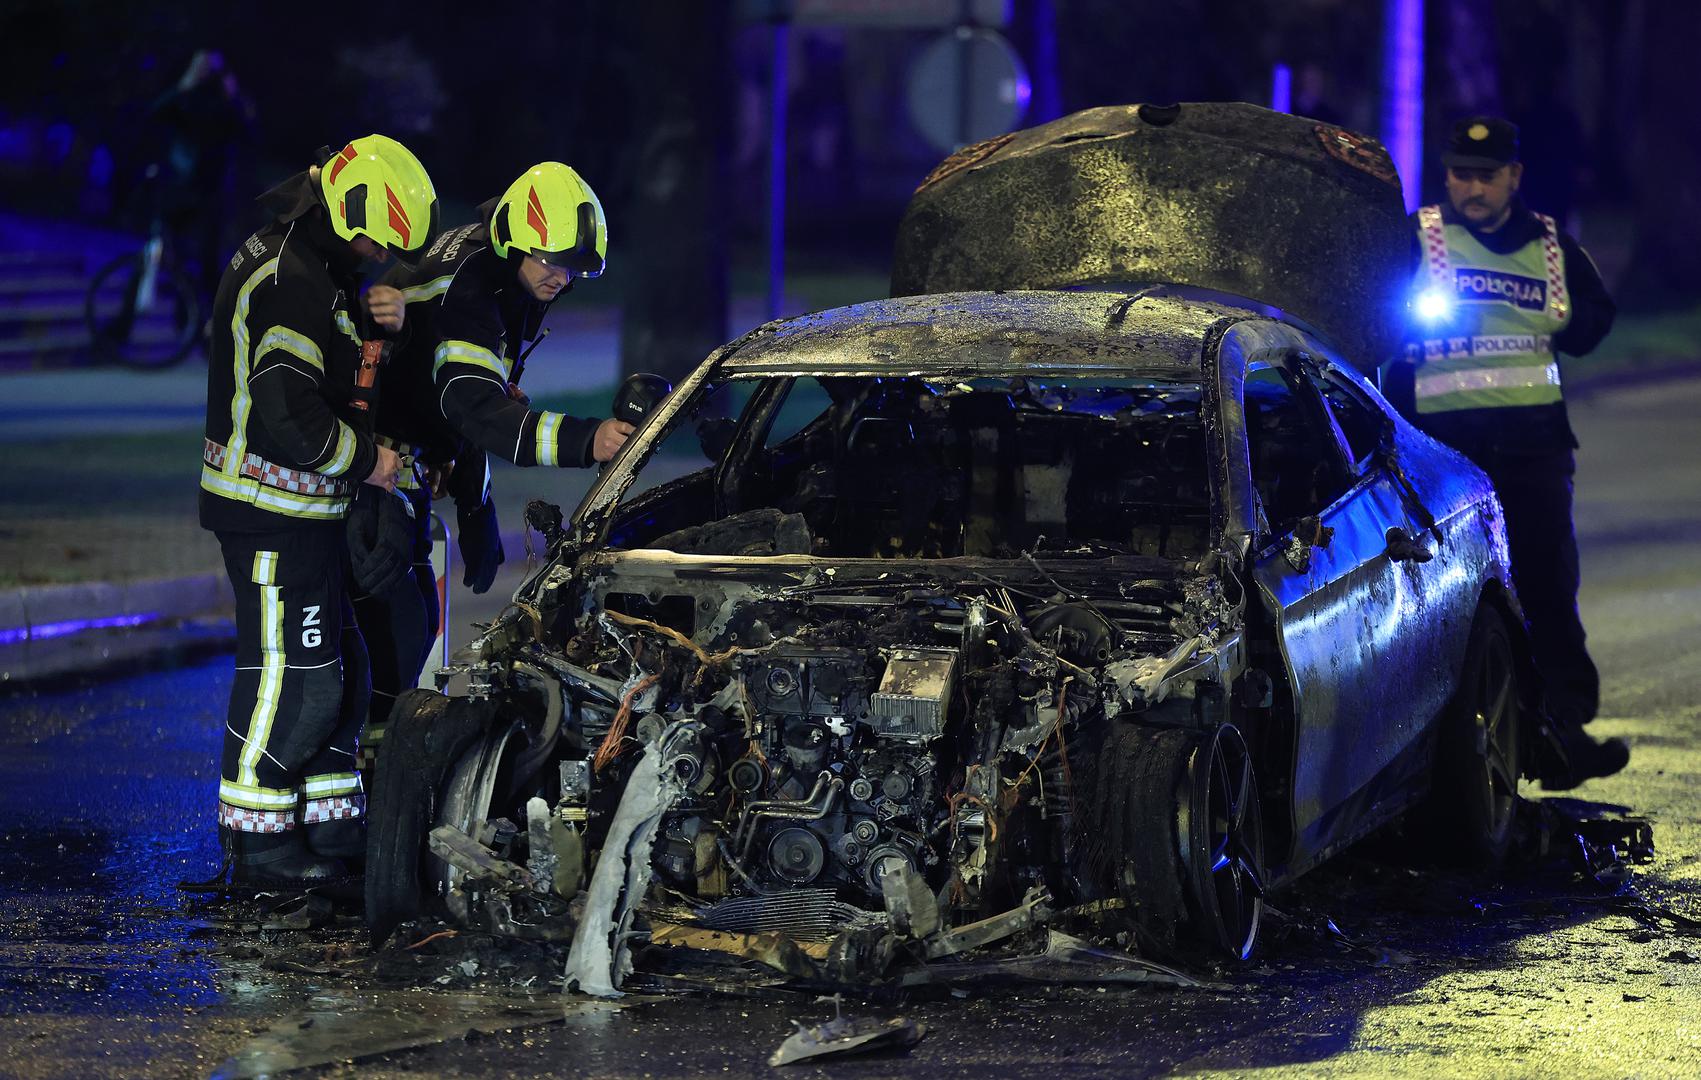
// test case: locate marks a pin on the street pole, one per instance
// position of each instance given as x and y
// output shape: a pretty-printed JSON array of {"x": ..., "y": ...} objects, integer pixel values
[
  {"x": 1402, "y": 93},
  {"x": 777, "y": 170}
]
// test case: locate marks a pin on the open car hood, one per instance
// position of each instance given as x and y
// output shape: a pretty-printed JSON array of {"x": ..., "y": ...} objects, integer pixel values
[{"x": 1229, "y": 197}]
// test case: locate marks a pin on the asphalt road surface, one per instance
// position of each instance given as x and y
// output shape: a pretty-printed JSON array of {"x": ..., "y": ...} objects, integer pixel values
[{"x": 106, "y": 795}]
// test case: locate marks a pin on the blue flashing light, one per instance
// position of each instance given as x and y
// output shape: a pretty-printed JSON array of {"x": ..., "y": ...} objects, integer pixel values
[{"x": 1433, "y": 305}]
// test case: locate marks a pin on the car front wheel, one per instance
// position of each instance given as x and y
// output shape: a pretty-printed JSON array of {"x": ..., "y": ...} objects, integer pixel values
[{"x": 1174, "y": 816}]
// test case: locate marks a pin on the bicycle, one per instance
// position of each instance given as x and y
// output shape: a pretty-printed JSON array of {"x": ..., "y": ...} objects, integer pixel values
[{"x": 142, "y": 310}]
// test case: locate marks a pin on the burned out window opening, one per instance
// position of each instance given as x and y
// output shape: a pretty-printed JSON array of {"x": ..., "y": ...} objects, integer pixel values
[
  {"x": 1296, "y": 457},
  {"x": 911, "y": 467}
]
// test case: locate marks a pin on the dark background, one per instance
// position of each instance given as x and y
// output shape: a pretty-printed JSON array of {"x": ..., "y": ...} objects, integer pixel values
[{"x": 664, "y": 108}]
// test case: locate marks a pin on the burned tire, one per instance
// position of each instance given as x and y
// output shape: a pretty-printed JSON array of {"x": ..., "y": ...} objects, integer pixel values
[
  {"x": 427, "y": 734},
  {"x": 1473, "y": 803},
  {"x": 1177, "y": 831},
  {"x": 468, "y": 797}
]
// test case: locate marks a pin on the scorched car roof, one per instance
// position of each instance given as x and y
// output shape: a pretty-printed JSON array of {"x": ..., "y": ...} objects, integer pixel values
[{"x": 982, "y": 333}]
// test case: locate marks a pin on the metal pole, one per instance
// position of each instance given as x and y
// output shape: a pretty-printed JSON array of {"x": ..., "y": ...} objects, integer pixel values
[
  {"x": 777, "y": 171},
  {"x": 1281, "y": 88},
  {"x": 1402, "y": 93},
  {"x": 440, "y": 645},
  {"x": 965, "y": 56}
]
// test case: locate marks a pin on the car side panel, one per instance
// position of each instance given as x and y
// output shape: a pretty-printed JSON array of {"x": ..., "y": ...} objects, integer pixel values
[
  {"x": 1357, "y": 670},
  {"x": 1374, "y": 648}
]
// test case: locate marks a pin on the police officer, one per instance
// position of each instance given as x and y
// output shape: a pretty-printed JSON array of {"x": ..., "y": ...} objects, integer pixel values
[
  {"x": 1502, "y": 291},
  {"x": 285, "y": 450},
  {"x": 449, "y": 394}
]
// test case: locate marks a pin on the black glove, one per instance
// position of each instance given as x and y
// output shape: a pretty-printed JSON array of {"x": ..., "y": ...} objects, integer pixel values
[
  {"x": 380, "y": 538},
  {"x": 481, "y": 545}
]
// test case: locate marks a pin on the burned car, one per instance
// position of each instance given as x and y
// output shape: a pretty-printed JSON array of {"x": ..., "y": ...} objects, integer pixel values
[{"x": 989, "y": 610}]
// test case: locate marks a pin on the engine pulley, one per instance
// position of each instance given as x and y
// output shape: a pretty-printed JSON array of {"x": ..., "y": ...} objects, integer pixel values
[{"x": 796, "y": 855}]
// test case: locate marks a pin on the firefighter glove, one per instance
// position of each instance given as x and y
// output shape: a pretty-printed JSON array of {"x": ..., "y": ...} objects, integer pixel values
[
  {"x": 481, "y": 545},
  {"x": 380, "y": 539}
]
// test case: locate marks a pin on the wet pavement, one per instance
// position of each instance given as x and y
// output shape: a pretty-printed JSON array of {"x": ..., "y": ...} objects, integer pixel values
[{"x": 107, "y": 970}]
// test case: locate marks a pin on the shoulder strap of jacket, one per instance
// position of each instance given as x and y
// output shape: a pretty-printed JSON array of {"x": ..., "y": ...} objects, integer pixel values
[
  {"x": 1558, "y": 299},
  {"x": 1434, "y": 236}
]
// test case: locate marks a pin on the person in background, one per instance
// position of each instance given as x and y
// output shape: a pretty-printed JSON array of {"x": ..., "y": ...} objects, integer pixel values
[{"x": 1502, "y": 292}]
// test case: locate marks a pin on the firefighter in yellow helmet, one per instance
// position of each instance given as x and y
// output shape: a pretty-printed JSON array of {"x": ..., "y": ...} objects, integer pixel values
[
  {"x": 474, "y": 305},
  {"x": 286, "y": 449}
]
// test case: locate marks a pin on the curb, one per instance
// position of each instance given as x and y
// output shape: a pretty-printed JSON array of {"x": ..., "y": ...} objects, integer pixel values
[
  {"x": 49, "y": 631},
  {"x": 53, "y": 630},
  {"x": 80, "y": 628}
]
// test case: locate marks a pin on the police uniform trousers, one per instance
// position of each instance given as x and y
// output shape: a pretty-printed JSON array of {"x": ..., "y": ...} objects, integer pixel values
[
  {"x": 301, "y": 689},
  {"x": 398, "y": 626},
  {"x": 1536, "y": 493}
]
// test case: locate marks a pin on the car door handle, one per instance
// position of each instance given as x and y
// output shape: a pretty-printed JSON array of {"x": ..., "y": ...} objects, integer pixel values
[{"x": 1402, "y": 548}]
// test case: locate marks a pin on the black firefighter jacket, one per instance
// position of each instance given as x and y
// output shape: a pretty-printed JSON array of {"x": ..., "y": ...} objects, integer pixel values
[
  {"x": 447, "y": 387},
  {"x": 285, "y": 448}
]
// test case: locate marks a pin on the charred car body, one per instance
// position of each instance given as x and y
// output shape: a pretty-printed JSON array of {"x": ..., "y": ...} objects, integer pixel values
[
  {"x": 992, "y": 608},
  {"x": 1129, "y": 597}
]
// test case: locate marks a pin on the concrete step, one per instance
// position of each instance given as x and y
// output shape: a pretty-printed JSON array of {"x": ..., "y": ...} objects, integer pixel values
[
  {"x": 43, "y": 311},
  {"x": 18, "y": 259},
  {"x": 26, "y": 268},
  {"x": 46, "y": 283},
  {"x": 54, "y": 295},
  {"x": 59, "y": 341},
  {"x": 69, "y": 319},
  {"x": 65, "y": 344}
]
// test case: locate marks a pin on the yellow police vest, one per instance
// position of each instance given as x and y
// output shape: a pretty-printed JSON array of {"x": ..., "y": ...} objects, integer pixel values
[{"x": 1495, "y": 347}]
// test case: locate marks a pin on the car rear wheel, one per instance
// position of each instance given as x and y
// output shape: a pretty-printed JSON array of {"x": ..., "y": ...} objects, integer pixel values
[{"x": 1473, "y": 805}]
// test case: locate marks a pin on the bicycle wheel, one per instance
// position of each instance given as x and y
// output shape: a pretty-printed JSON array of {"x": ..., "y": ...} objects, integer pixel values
[{"x": 137, "y": 326}]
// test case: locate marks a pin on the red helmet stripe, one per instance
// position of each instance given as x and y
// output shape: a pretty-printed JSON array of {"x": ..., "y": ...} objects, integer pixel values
[
  {"x": 398, "y": 217},
  {"x": 535, "y": 218},
  {"x": 347, "y": 155}
]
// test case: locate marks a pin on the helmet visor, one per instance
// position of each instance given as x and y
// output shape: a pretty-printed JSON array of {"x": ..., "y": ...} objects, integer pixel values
[
  {"x": 578, "y": 262},
  {"x": 583, "y": 259}
]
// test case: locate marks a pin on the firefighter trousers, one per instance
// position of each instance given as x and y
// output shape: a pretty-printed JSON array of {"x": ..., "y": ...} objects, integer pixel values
[
  {"x": 301, "y": 687},
  {"x": 398, "y": 627}
]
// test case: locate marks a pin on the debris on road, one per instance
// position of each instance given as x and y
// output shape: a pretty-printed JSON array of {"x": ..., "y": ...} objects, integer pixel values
[
  {"x": 310, "y": 911},
  {"x": 346, "y": 1027},
  {"x": 845, "y": 1035}
]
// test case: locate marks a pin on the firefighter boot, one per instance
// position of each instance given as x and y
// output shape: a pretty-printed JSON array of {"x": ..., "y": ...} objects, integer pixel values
[
  {"x": 344, "y": 838},
  {"x": 276, "y": 858}
]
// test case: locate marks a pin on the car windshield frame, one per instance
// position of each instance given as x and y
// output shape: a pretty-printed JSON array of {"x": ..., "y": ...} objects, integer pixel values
[{"x": 603, "y": 505}]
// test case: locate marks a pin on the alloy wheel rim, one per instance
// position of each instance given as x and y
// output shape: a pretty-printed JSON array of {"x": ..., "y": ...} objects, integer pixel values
[
  {"x": 1234, "y": 867},
  {"x": 1496, "y": 719}
]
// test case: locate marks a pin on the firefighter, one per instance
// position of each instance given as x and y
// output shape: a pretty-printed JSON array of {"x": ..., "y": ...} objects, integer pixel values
[
  {"x": 450, "y": 394},
  {"x": 1502, "y": 291},
  {"x": 285, "y": 451}
]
